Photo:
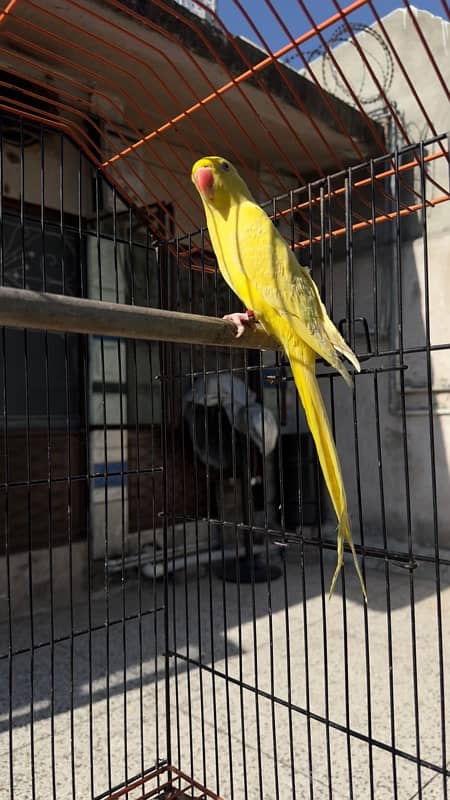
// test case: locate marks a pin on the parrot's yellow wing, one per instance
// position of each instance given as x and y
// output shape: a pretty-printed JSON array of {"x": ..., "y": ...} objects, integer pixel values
[{"x": 262, "y": 270}]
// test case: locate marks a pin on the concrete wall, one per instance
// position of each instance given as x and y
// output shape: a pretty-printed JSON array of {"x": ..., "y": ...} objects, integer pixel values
[{"x": 418, "y": 259}]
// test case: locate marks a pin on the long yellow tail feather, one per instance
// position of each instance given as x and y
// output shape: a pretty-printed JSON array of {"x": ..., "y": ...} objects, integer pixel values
[{"x": 303, "y": 369}]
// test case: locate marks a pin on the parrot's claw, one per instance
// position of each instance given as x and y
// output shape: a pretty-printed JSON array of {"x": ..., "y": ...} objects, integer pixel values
[{"x": 242, "y": 321}]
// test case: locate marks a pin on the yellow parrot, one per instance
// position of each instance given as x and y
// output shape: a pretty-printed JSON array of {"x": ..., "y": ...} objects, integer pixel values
[{"x": 262, "y": 270}]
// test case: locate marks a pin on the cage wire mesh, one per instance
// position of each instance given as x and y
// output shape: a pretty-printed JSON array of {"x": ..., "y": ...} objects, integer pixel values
[{"x": 166, "y": 540}]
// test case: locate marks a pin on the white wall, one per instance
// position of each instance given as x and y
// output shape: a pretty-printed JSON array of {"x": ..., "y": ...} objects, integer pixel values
[
  {"x": 418, "y": 258},
  {"x": 43, "y": 179}
]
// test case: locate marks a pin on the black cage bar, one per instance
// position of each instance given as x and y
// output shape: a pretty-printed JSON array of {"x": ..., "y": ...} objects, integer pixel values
[{"x": 166, "y": 541}]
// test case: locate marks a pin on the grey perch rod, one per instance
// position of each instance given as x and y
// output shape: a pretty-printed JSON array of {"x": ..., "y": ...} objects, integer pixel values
[{"x": 22, "y": 308}]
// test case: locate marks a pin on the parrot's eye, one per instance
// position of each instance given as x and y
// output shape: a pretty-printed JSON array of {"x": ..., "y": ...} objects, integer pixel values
[{"x": 225, "y": 166}]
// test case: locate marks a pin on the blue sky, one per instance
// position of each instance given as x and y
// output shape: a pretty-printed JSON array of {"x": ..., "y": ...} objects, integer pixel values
[{"x": 295, "y": 19}]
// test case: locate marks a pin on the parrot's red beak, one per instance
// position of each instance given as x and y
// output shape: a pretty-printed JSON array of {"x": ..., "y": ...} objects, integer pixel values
[{"x": 204, "y": 178}]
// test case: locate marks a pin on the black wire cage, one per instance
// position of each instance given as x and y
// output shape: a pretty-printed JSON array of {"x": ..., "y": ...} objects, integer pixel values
[{"x": 167, "y": 544}]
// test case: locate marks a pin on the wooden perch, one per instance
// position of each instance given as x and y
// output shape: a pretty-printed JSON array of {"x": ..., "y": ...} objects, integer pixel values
[{"x": 21, "y": 308}]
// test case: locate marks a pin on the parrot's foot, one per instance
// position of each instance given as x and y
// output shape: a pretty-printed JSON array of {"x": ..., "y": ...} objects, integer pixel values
[{"x": 242, "y": 321}]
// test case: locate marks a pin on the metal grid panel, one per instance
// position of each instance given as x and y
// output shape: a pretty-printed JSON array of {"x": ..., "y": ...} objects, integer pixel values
[
  {"x": 147, "y": 73},
  {"x": 255, "y": 685},
  {"x": 166, "y": 540},
  {"x": 309, "y": 698}
]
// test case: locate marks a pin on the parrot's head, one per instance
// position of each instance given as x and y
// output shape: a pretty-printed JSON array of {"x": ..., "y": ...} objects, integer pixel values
[{"x": 218, "y": 182}]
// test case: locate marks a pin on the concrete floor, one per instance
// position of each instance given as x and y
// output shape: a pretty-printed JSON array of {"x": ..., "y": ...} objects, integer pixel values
[{"x": 98, "y": 713}]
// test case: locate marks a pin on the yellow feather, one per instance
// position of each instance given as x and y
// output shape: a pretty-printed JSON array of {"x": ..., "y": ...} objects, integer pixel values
[
  {"x": 303, "y": 369},
  {"x": 261, "y": 269}
]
